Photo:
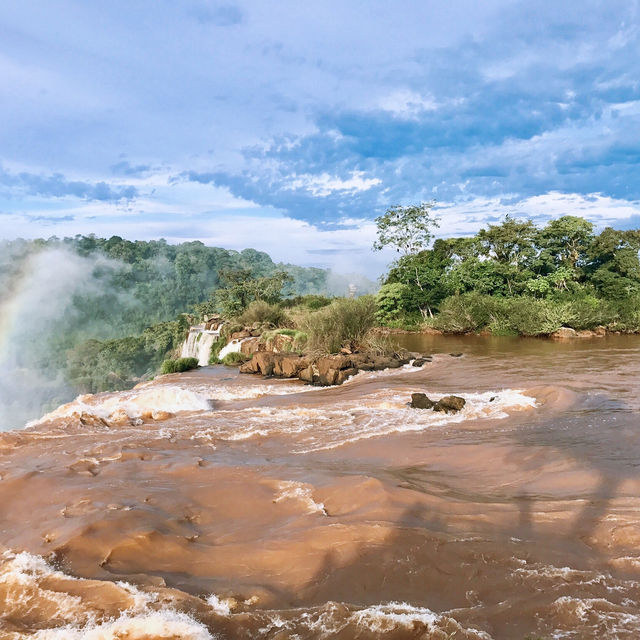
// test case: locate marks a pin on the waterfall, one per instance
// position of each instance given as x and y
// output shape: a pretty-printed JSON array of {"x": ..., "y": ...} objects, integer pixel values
[
  {"x": 233, "y": 347},
  {"x": 199, "y": 342}
]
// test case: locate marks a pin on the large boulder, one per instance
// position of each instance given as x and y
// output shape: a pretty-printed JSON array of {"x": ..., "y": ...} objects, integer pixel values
[
  {"x": 385, "y": 362},
  {"x": 449, "y": 404},
  {"x": 563, "y": 333},
  {"x": 250, "y": 346},
  {"x": 264, "y": 362},
  {"x": 289, "y": 366},
  {"x": 421, "y": 401},
  {"x": 344, "y": 374},
  {"x": 307, "y": 374},
  {"x": 329, "y": 368}
]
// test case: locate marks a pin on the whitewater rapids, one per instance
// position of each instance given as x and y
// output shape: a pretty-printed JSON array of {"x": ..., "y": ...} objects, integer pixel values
[{"x": 214, "y": 505}]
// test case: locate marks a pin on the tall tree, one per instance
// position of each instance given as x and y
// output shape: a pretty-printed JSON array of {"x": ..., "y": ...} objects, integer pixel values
[
  {"x": 565, "y": 242},
  {"x": 406, "y": 229}
]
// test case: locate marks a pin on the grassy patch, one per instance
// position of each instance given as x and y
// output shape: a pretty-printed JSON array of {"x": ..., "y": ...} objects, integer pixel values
[
  {"x": 235, "y": 358},
  {"x": 179, "y": 365}
]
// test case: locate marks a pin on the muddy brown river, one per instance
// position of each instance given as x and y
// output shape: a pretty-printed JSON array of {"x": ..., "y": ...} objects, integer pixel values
[{"x": 215, "y": 505}]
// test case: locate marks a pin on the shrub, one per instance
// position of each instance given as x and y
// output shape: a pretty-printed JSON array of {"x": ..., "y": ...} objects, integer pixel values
[
  {"x": 587, "y": 312},
  {"x": 298, "y": 342},
  {"x": 533, "y": 316},
  {"x": 625, "y": 315},
  {"x": 392, "y": 302},
  {"x": 345, "y": 322},
  {"x": 179, "y": 365},
  {"x": 464, "y": 313},
  {"x": 216, "y": 347},
  {"x": 264, "y": 313},
  {"x": 229, "y": 328},
  {"x": 234, "y": 358}
]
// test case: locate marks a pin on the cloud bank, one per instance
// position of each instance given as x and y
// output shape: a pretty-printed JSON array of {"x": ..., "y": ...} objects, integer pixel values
[{"x": 203, "y": 119}]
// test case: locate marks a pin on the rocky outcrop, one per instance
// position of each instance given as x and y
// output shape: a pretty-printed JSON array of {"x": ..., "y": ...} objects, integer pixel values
[
  {"x": 446, "y": 404},
  {"x": 250, "y": 346},
  {"x": 565, "y": 333},
  {"x": 449, "y": 404},
  {"x": 322, "y": 371},
  {"x": 421, "y": 401}
]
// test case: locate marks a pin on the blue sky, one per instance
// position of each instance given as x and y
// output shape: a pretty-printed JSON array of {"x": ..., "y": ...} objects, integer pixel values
[{"x": 288, "y": 126}]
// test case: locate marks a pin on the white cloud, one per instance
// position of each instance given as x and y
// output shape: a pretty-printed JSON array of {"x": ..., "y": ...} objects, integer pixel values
[
  {"x": 465, "y": 218},
  {"x": 325, "y": 184},
  {"x": 406, "y": 103}
]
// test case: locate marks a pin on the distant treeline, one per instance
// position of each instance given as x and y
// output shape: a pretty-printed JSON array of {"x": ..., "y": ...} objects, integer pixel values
[{"x": 515, "y": 277}]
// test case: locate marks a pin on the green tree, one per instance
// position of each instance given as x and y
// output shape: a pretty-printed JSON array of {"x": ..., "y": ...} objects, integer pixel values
[
  {"x": 565, "y": 242},
  {"x": 512, "y": 245},
  {"x": 406, "y": 229},
  {"x": 241, "y": 289}
]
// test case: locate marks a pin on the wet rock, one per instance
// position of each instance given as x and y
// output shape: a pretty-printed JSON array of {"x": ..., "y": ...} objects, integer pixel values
[
  {"x": 249, "y": 347},
  {"x": 344, "y": 374},
  {"x": 306, "y": 374},
  {"x": 457, "y": 354},
  {"x": 248, "y": 367},
  {"x": 330, "y": 366},
  {"x": 421, "y": 401},
  {"x": 384, "y": 362},
  {"x": 419, "y": 362},
  {"x": 563, "y": 333},
  {"x": 240, "y": 334},
  {"x": 264, "y": 362},
  {"x": 449, "y": 404},
  {"x": 289, "y": 366}
]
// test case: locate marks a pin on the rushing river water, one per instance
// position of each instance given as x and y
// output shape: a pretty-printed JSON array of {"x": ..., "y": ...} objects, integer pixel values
[{"x": 213, "y": 505}]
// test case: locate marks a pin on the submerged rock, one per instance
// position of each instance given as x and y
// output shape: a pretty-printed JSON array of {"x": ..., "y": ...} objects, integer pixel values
[
  {"x": 449, "y": 404},
  {"x": 421, "y": 401}
]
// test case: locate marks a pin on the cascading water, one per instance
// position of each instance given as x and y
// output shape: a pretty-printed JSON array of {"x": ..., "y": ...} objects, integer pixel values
[
  {"x": 233, "y": 347},
  {"x": 199, "y": 342}
]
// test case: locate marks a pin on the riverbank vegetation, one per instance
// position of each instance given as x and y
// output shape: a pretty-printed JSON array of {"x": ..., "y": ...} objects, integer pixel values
[
  {"x": 129, "y": 305},
  {"x": 516, "y": 278}
]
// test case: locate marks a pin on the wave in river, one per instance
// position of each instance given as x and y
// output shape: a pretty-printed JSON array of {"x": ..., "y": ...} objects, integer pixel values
[
  {"x": 55, "y": 606},
  {"x": 370, "y": 415}
]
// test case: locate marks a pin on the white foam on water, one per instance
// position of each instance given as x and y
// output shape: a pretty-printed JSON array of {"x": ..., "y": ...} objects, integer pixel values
[
  {"x": 393, "y": 615},
  {"x": 292, "y": 490},
  {"x": 133, "y": 404},
  {"x": 29, "y": 584},
  {"x": 222, "y": 606},
  {"x": 383, "y": 373},
  {"x": 334, "y": 618},
  {"x": 599, "y": 616},
  {"x": 227, "y": 392},
  {"x": 368, "y": 416},
  {"x": 154, "y": 625}
]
